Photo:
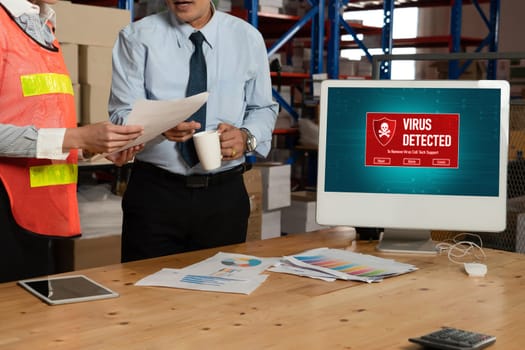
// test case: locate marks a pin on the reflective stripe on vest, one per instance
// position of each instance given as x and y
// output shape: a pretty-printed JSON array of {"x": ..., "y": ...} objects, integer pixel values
[
  {"x": 55, "y": 174},
  {"x": 46, "y": 83}
]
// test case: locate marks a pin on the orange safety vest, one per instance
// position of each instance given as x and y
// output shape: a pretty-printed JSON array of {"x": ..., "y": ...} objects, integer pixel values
[{"x": 35, "y": 89}]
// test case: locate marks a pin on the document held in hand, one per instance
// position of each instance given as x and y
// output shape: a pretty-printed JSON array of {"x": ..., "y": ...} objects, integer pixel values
[{"x": 158, "y": 116}]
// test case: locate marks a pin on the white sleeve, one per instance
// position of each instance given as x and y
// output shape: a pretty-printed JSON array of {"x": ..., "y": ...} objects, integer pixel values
[{"x": 49, "y": 143}]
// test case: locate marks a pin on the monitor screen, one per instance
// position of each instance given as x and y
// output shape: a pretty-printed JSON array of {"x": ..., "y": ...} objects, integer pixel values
[{"x": 420, "y": 155}]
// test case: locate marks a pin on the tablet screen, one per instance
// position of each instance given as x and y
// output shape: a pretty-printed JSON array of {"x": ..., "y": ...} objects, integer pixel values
[{"x": 67, "y": 289}]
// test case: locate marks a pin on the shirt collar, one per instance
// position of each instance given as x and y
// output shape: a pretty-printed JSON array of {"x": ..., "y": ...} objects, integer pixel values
[
  {"x": 18, "y": 8},
  {"x": 210, "y": 30}
]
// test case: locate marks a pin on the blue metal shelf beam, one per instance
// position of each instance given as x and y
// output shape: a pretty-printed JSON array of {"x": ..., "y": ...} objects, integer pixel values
[
  {"x": 337, "y": 21},
  {"x": 333, "y": 47},
  {"x": 316, "y": 16},
  {"x": 386, "y": 37},
  {"x": 127, "y": 5},
  {"x": 292, "y": 31},
  {"x": 252, "y": 6},
  {"x": 490, "y": 41}
]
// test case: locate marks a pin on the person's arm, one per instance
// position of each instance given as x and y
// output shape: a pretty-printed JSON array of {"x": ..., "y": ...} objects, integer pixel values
[
  {"x": 261, "y": 109},
  {"x": 103, "y": 137},
  {"x": 16, "y": 141},
  {"x": 127, "y": 85},
  {"x": 29, "y": 142},
  {"x": 55, "y": 143}
]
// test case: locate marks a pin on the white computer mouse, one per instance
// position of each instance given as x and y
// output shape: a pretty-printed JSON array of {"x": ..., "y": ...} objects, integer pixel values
[{"x": 475, "y": 269}]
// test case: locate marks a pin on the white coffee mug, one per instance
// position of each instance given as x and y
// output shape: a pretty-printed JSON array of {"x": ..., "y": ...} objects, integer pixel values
[{"x": 208, "y": 147}]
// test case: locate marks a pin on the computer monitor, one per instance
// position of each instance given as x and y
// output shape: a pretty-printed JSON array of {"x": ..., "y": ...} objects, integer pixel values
[{"x": 412, "y": 157}]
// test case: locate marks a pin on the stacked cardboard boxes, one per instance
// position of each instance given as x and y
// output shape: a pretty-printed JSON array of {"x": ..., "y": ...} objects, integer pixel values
[
  {"x": 253, "y": 183},
  {"x": 95, "y": 79},
  {"x": 275, "y": 196},
  {"x": 271, "y": 224},
  {"x": 87, "y": 35},
  {"x": 70, "y": 53},
  {"x": 300, "y": 216}
]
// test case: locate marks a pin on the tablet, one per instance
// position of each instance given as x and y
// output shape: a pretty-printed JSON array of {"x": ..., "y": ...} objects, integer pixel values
[{"x": 67, "y": 289}]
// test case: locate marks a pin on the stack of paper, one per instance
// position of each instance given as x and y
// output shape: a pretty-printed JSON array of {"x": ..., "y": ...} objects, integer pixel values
[
  {"x": 238, "y": 273},
  {"x": 330, "y": 264},
  {"x": 223, "y": 272}
]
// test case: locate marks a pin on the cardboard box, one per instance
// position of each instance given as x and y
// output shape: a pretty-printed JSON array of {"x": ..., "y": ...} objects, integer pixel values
[
  {"x": 300, "y": 216},
  {"x": 253, "y": 184},
  {"x": 70, "y": 53},
  {"x": 78, "y": 101},
  {"x": 271, "y": 224},
  {"x": 94, "y": 103},
  {"x": 94, "y": 64},
  {"x": 83, "y": 253},
  {"x": 275, "y": 185},
  {"x": 254, "y": 227},
  {"x": 89, "y": 25},
  {"x": 476, "y": 70}
]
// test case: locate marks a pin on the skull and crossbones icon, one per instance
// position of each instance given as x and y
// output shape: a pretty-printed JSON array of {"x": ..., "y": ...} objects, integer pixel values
[{"x": 384, "y": 131}]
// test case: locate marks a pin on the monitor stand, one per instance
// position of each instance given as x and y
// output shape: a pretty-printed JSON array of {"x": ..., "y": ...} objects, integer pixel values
[{"x": 406, "y": 241}]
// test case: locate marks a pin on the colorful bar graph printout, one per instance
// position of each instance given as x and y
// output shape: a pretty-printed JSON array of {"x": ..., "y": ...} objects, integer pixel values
[
  {"x": 348, "y": 265},
  {"x": 357, "y": 269}
]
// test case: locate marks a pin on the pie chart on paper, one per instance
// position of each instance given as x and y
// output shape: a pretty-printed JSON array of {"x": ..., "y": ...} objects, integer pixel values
[{"x": 241, "y": 262}]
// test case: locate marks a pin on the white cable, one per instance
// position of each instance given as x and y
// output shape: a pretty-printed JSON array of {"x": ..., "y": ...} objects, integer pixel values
[{"x": 459, "y": 251}]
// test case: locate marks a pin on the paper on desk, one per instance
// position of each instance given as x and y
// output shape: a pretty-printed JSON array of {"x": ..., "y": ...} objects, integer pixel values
[
  {"x": 178, "y": 279},
  {"x": 158, "y": 116},
  {"x": 347, "y": 265},
  {"x": 223, "y": 272},
  {"x": 284, "y": 267}
]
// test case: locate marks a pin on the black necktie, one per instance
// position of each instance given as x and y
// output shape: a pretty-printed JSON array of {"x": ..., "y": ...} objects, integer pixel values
[{"x": 196, "y": 84}]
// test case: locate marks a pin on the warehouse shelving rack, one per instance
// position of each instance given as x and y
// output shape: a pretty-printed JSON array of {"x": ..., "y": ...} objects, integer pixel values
[
  {"x": 315, "y": 15},
  {"x": 336, "y": 24},
  {"x": 454, "y": 41},
  {"x": 326, "y": 34}
]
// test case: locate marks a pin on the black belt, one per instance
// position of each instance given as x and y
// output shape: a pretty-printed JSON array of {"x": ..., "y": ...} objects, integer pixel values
[{"x": 196, "y": 180}]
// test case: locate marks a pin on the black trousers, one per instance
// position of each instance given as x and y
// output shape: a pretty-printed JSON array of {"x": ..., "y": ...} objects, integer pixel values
[
  {"x": 163, "y": 216},
  {"x": 22, "y": 254}
]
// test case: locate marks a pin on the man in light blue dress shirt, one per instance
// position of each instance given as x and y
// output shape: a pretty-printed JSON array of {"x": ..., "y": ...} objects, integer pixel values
[{"x": 170, "y": 207}]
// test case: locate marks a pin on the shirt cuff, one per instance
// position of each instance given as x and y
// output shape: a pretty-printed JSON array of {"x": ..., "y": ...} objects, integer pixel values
[{"x": 49, "y": 143}]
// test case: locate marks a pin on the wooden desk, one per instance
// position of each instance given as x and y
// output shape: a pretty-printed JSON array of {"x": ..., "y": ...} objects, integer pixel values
[{"x": 286, "y": 312}]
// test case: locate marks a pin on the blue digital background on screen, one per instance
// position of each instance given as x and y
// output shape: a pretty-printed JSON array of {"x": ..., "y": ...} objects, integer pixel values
[{"x": 479, "y": 132}]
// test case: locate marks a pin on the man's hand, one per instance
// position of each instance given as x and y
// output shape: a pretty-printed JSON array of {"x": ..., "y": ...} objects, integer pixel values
[
  {"x": 182, "y": 132},
  {"x": 233, "y": 141}
]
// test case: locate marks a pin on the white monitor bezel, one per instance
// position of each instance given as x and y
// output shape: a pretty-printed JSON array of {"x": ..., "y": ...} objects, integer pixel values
[{"x": 484, "y": 214}]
